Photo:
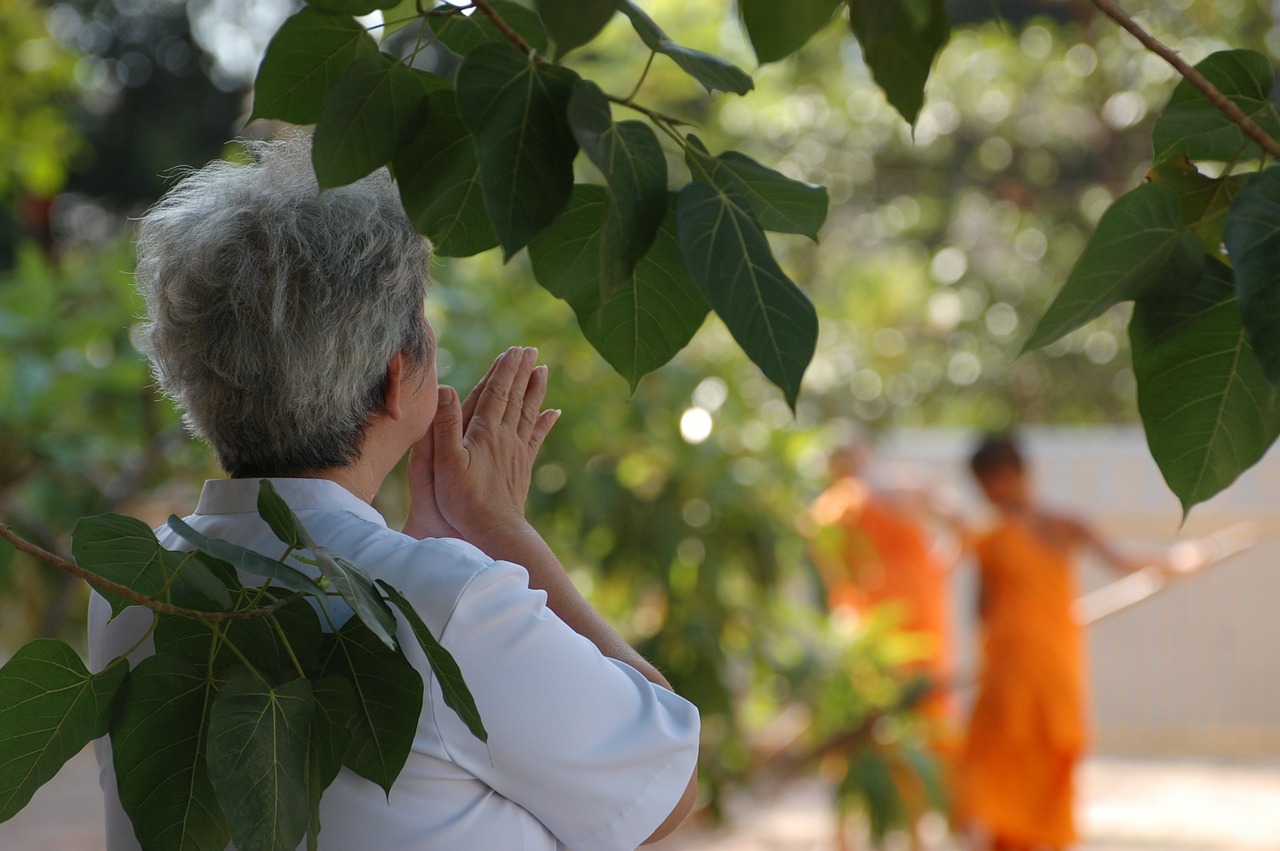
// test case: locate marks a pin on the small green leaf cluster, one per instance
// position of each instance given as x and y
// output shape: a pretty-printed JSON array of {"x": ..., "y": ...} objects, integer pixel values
[
  {"x": 482, "y": 130},
  {"x": 248, "y": 709},
  {"x": 1196, "y": 247}
]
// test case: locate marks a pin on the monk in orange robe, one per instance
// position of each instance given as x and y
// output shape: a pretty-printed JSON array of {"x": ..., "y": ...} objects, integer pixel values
[
  {"x": 874, "y": 547},
  {"x": 1027, "y": 729}
]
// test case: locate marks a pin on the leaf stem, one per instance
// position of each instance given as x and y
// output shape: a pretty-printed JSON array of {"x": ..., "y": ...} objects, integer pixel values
[
  {"x": 503, "y": 27},
  {"x": 284, "y": 639},
  {"x": 23, "y": 545},
  {"x": 645, "y": 73},
  {"x": 1191, "y": 75}
]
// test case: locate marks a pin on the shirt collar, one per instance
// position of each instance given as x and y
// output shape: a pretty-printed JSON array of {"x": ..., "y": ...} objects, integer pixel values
[{"x": 240, "y": 496}]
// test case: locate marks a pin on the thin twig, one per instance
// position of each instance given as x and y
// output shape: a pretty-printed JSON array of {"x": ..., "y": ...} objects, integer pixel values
[
  {"x": 505, "y": 28},
  {"x": 23, "y": 545},
  {"x": 653, "y": 114},
  {"x": 1192, "y": 76}
]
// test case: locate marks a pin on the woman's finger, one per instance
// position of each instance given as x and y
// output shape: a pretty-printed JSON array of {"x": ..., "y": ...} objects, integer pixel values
[
  {"x": 469, "y": 404},
  {"x": 491, "y": 406},
  {"x": 541, "y": 427},
  {"x": 519, "y": 388},
  {"x": 531, "y": 404}
]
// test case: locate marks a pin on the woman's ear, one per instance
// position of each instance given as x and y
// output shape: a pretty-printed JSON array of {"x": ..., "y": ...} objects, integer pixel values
[{"x": 393, "y": 391}]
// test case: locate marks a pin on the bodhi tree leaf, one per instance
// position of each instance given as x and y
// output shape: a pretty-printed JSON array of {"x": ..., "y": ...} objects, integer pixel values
[
  {"x": 375, "y": 107},
  {"x": 355, "y": 586},
  {"x": 330, "y": 736},
  {"x": 640, "y": 326},
  {"x": 345, "y": 577},
  {"x": 1192, "y": 126},
  {"x": 711, "y": 71},
  {"x": 1204, "y": 200},
  {"x": 158, "y": 737},
  {"x": 463, "y": 33},
  {"x": 1207, "y": 408},
  {"x": 1252, "y": 237},
  {"x": 777, "y": 202},
  {"x": 50, "y": 708},
  {"x": 247, "y": 560},
  {"x": 632, "y": 162},
  {"x": 388, "y": 694},
  {"x": 439, "y": 180},
  {"x": 257, "y": 639},
  {"x": 899, "y": 47},
  {"x": 257, "y": 757},
  {"x": 515, "y": 110},
  {"x": 573, "y": 23},
  {"x": 870, "y": 779},
  {"x": 1141, "y": 244},
  {"x": 778, "y": 31},
  {"x": 454, "y": 690},
  {"x": 304, "y": 58},
  {"x": 730, "y": 261},
  {"x": 125, "y": 551}
]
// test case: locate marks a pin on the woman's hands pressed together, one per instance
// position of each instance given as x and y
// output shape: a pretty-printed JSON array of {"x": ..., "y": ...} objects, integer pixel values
[{"x": 469, "y": 475}]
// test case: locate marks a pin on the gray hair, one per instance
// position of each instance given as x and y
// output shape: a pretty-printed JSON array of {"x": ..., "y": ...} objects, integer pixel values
[{"x": 273, "y": 308}]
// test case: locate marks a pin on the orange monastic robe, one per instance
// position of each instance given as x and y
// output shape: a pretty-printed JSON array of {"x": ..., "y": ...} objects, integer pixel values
[
  {"x": 887, "y": 556},
  {"x": 1027, "y": 728}
]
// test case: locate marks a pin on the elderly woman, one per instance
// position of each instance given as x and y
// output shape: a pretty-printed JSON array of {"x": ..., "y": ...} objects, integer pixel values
[{"x": 288, "y": 325}]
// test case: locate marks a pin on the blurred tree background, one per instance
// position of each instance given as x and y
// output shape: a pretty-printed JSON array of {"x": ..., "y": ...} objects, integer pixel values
[{"x": 674, "y": 507}]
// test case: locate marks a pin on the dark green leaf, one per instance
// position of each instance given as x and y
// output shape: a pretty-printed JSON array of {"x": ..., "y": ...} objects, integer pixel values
[
  {"x": 870, "y": 779},
  {"x": 637, "y": 327},
  {"x": 304, "y": 58},
  {"x": 1141, "y": 244},
  {"x": 730, "y": 260},
  {"x": 375, "y": 107},
  {"x": 257, "y": 757},
  {"x": 515, "y": 109},
  {"x": 125, "y": 551},
  {"x": 777, "y": 202},
  {"x": 354, "y": 8},
  {"x": 158, "y": 740},
  {"x": 711, "y": 71},
  {"x": 50, "y": 708},
  {"x": 255, "y": 638},
  {"x": 452, "y": 686},
  {"x": 279, "y": 516},
  {"x": 778, "y": 31},
  {"x": 928, "y": 771},
  {"x": 330, "y": 737},
  {"x": 573, "y": 23},
  {"x": 439, "y": 180},
  {"x": 1207, "y": 408},
  {"x": 632, "y": 162},
  {"x": 388, "y": 692},
  {"x": 900, "y": 48},
  {"x": 463, "y": 33},
  {"x": 355, "y": 586},
  {"x": 246, "y": 560},
  {"x": 1192, "y": 126},
  {"x": 1204, "y": 200},
  {"x": 1252, "y": 236}
]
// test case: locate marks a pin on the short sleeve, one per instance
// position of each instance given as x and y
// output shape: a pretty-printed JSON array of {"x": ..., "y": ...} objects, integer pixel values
[{"x": 585, "y": 743}]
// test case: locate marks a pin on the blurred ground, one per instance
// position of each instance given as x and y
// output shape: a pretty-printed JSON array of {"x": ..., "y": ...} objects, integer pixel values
[{"x": 1128, "y": 804}]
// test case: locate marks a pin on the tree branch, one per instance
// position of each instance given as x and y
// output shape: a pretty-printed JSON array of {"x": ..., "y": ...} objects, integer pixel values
[
  {"x": 505, "y": 28},
  {"x": 1191, "y": 75},
  {"x": 23, "y": 545}
]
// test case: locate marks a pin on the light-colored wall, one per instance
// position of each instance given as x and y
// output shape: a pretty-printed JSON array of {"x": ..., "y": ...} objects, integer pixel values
[{"x": 1194, "y": 669}]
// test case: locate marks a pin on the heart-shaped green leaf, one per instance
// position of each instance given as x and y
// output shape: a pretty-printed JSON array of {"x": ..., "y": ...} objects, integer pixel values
[
  {"x": 388, "y": 692},
  {"x": 900, "y": 47},
  {"x": 638, "y": 326},
  {"x": 439, "y": 179},
  {"x": 1252, "y": 236},
  {"x": 307, "y": 54},
  {"x": 515, "y": 110},
  {"x": 776, "y": 33},
  {"x": 730, "y": 260},
  {"x": 1207, "y": 408},
  {"x": 50, "y": 708},
  {"x": 158, "y": 738},
  {"x": 711, "y": 71},
  {"x": 1141, "y": 245},
  {"x": 257, "y": 759},
  {"x": 1191, "y": 125}
]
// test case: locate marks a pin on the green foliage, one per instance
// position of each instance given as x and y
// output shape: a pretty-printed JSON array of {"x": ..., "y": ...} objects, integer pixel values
[
  {"x": 50, "y": 708},
  {"x": 247, "y": 710},
  {"x": 775, "y": 36},
  {"x": 901, "y": 39},
  {"x": 1205, "y": 336}
]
